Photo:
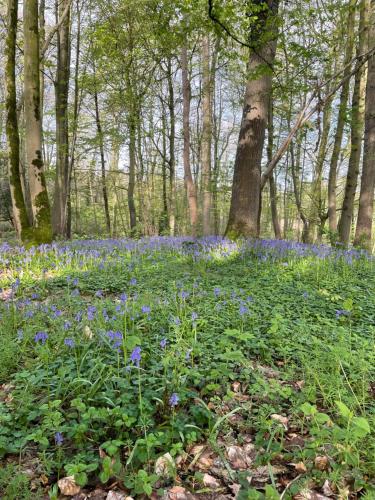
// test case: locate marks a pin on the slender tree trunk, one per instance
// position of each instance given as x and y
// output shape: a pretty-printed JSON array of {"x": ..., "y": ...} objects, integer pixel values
[
  {"x": 316, "y": 202},
  {"x": 206, "y": 136},
  {"x": 172, "y": 154},
  {"x": 246, "y": 188},
  {"x": 75, "y": 121},
  {"x": 273, "y": 189},
  {"x": 357, "y": 126},
  {"x": 42, "y": 232},
  {"x": 132, "y": 169},
  {"x": 295, "y": 162},
  {"x": 164, "y": 222},
  {"x": 102, "y": 163},
  {"x": 62, "y": 180},
  {"x": 189, "y": 182},
  {"x": 366, "y": 198},
  {"x": 332, "y": 179},
  {"x": 19, "y": 210}
]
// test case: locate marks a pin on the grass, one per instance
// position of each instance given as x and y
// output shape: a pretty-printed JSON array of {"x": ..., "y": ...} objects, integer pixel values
[{"x": 116, "y": 352}]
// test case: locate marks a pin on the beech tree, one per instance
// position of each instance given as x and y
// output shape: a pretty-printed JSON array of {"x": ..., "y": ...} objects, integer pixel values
[
  {"x": 366, "y": 200},
  {"x": 245, "y": 202},
  {"x": 42, "y": 229}
]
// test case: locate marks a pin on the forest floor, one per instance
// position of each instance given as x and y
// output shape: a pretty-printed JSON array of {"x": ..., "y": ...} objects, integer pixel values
[{"x": 179, "y": 369}]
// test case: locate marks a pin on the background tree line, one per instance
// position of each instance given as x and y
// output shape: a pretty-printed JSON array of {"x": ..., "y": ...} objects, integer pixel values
[{"x": 130, "y": 118}]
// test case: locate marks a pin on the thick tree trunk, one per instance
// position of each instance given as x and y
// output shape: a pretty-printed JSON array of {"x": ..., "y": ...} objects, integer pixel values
[
  {"x": 19, "y": 210},
  {"x": 189, "y": 182},
  {"x": 246, "y": 188},
  {"x": 206, "y": 136},
  {"x": 332, "y": 178},
  {"x": 102, "y": 163},
  {"x": 62, "y": 180},
  {"x": 357, "y": 126},
  {"x": 42, "y": 232},
  {"x": 366, "y": 199}
]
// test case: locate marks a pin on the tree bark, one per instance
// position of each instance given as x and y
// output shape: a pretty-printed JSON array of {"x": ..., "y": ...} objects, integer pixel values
[
  {"x": 189, "y": 182},
  {"x": 42, "y": 229},
  {"x": 357, "y": 127},
  {"x": 74, "y": 128},
  {"x": 273, "y": 188},
  {"x": 132, "y": 168},
  {"x": 206, "y": 136},
  {"x": 172, "y": 154},
  {"x": 102, "y": 163},
  {"x": 62, "y": 179},
  {"x": 246, "y": 188},
  {"x": 366, "y": 199},
  {"x": 19, "y": 210},
  {"x": 332, "y": 178}
]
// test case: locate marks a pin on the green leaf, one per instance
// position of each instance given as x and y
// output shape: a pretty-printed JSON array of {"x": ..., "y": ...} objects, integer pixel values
[
  {"x": 361, "y": 426},
  {"x": 343, "y": 409}
]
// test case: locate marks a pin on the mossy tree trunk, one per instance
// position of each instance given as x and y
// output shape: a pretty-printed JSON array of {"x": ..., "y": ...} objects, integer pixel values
[
  {"x": 42, "y": 229},
  {"x": 19, "y": 210}
]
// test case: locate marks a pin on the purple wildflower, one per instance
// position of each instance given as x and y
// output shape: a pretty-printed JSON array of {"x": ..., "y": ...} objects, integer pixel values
[
  {"x": 173, "y": 400},
  {"x": 243, "y": 310},
  {"x": 59, "y": 439},
  {"x": 133, "y": 281},
  {"x": 163, "y": 343},
  {"x": 91, "y": 311},
  {"x": 146, "y": 309},
  {"x": 135, "y": 356},
  {"x": 41, "y": 337},
  {"x": 69, "y": 342},
  {"x": 341, "y": 312}
]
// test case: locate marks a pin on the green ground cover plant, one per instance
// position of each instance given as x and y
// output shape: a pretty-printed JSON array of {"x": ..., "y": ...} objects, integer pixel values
[{"x": 257, "y": 355}]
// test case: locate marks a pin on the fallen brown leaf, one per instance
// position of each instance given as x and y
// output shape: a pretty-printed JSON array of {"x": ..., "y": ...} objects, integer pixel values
[
  {"x": 321, "y": 462},
  {"x": 300, "y": 468},
  {"x": 68, "y": 486},
  {"x": 210, "y": 481}
]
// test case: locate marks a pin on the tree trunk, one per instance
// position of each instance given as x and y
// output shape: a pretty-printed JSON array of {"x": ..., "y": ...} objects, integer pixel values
[
  {"x": 273, "y": 188},
  {"x": 102, "y": 163},
  {"x": 172, "y": 154},
  {"x": 366, "y": 198},
  {"x": 76, "y": 106},
  {"x": 332, "y": 178},
  {"x": 189, "y": 182},
  {"x": 164, "y": 219},
  {"x": 62, "y": 180},
  {"x": 316, "y": 204},
  {"x": 357, "y": 126},
  {"x": 42, "y": 232},
  {"x": 206, "y": 136},
  {"x": 246, "y": 188},
  {"x": 132, "y": 165},
  {"x": 19, "y": 210}
]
